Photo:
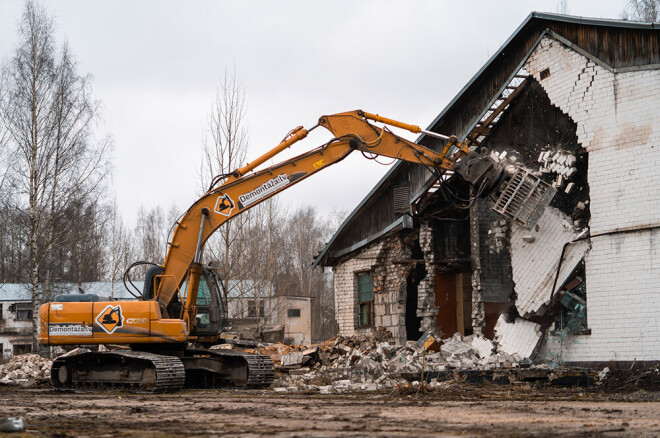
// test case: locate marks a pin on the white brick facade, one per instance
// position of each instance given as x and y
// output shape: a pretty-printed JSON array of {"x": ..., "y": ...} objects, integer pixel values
[{"x": 618, "y": 122}]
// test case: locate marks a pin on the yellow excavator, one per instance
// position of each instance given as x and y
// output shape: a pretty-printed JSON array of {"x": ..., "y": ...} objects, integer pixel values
[{"x": 181, "y": 304}]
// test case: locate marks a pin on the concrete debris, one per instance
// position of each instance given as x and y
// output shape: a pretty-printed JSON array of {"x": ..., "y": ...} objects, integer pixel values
[
  {"x": 11, "y": 424},
  {"x": 483, "y": 345},
  {"x": 25, "y": 369},
  {"x": 562, "y": 163},
  {"x": 79, "y": 351},
  {"x": 292, "y": 359},
  {"x": 519, "y": 339},
  {"x": 345, "y": 364}
]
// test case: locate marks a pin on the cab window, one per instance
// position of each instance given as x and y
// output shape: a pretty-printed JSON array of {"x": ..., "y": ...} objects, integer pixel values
[{"x": 203, "y": 292}]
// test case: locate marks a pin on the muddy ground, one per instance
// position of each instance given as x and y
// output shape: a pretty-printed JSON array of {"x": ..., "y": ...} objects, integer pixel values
[{"x": 459, "y": 410}]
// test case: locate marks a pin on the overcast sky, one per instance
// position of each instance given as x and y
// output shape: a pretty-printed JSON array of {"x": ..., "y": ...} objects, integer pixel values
[{"x": 157, "y": 66}]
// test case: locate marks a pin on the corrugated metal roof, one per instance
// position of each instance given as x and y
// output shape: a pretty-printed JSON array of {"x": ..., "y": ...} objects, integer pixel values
[{"x": 15, "y": 292}]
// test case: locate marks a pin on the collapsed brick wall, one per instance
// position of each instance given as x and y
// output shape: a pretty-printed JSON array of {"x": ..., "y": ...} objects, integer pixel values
[
  {"x": 426, "y": 308},
  {"x": 618, "y": 123},
  {"x": 492, "y": 285},
  {"x": 387, "y": 262}
]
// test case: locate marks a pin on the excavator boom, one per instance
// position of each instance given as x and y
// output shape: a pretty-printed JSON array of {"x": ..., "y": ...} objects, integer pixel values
[{"x": 246, "y": 187}]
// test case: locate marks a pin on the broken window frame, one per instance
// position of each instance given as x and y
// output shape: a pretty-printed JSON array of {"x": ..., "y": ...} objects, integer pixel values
[
  {"x": 577, "y": 294},
  {"x": 365, "y": 299},
  {"x": 23, "y": 311}
]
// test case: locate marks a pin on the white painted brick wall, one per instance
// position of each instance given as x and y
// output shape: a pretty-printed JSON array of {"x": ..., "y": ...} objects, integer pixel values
[
  {"x": 534, "y": 265},
  {"x": 618, "y": 122}
]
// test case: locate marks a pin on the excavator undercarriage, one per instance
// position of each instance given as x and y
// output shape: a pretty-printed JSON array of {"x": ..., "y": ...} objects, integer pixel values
[{"x": 146, "y": 372}]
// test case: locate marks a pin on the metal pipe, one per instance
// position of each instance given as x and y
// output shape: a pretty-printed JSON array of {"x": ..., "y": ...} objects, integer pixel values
[
  {"x": 198, "y": 250},
  {"x": 434, "y": 134}
]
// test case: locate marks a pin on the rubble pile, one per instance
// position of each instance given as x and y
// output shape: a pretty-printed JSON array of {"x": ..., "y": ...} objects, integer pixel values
[
  {"x": 367, "y": 363},
  {"x": 630, "y": 380},
  {"x": 25, "y": 368}
]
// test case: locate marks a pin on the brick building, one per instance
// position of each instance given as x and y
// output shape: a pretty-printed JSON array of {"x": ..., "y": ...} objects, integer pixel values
[{"x": 576, "y": 100}]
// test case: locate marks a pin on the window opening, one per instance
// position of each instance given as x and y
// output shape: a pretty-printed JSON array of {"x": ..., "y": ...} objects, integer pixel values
[
  {"x": 365, "y": 299},
  {"x": 23, "y": 311},
  {"x": 293, "y": 313},
  {"x": 571, "y": 319},
  {"x": 22, "y": 349},
  {"x": 256, "y": 308}
]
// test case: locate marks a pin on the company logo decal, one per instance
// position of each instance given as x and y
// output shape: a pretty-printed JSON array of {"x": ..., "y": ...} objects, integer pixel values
[
  {"x": 263, "y": 190},
  {"x": 69, "y": 330},
  {"x": 136, "y": 321},
  {"x": 110, "y": 319},
  {"x": 57, "y": 306},
  {"x": 225, "y": 205}
]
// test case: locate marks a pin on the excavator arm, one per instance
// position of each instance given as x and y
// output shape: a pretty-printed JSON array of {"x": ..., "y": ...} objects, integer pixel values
[{"x": 245, "y": 188}]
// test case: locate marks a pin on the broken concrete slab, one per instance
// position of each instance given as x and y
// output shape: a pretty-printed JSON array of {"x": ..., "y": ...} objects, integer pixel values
[
  {"x": 456, "y": 346},
  {"x": 292, "y": 359},
  {"x": 518, "y": 339}
]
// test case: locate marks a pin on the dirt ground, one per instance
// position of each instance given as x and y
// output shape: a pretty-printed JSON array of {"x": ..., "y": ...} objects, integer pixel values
[{"x": 461, "y": 410}]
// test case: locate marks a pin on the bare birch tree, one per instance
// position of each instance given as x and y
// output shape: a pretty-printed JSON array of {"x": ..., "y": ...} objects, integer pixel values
[
  {"x": 224, "y": 148},
  {"x": 151, "y": 238},
  {"x": 49, "y": 114},
  {"x": 642, "y": 10},
  {"x": 120, "y": 248}
]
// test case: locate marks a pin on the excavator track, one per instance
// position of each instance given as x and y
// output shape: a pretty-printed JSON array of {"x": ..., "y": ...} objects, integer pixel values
[
  {"x": 134, "y": 370},
  {"x": 218, "y": 368}
]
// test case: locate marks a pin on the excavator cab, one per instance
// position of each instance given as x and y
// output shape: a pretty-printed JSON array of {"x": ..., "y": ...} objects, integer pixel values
[
  {"x": 211, "y": 307},
  {"x": 210, "y": 316}
]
